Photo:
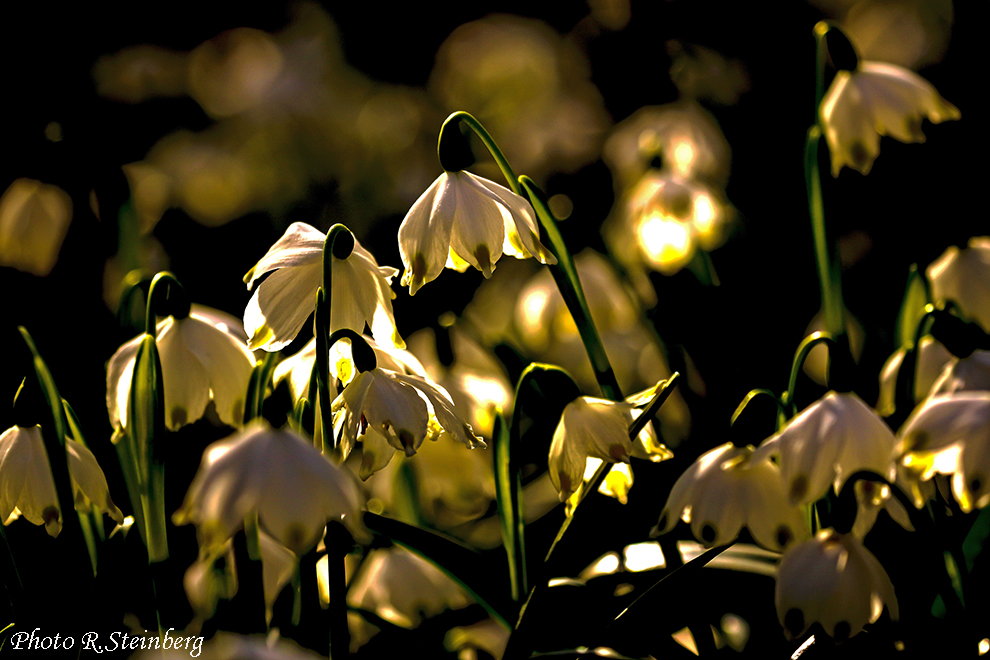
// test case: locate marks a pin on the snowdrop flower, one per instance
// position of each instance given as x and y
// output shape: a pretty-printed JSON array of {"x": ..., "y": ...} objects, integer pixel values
[
  {"x": 28, "y": 488},
  {"x": 281, "y": 304},
  {"x": 877, "y": 99},
  {"x": 831, "y": 439},
  {"x": 834, "y": 580},
  {"x": 292, "y": 487},
  {"x": 950, "y": 434},
  {"x": 201, "y": 361},
  {"x": 598, "y": 428},
  {"x": 34, "y": 219},
  {"x": 963, "y": 277},
  {"x": 390, "y": 411},
  {"x": 465, "y": 220},
  {"x": 727, "y": 489}
]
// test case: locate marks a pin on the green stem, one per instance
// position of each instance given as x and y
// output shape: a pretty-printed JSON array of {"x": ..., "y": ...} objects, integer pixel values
[
  {"x": 451, "y": 123},
  {"x": 826, "y": 254},
  {"x": 566, "y": 276},
  {"x": 166, "y": 297},
  {"x": 800, "y": 355},
  {"x": 257, "y": 387},
  {"x": 752, "y": 394}
]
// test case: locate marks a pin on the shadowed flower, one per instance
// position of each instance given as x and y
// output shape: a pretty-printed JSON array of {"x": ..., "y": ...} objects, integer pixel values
[
  {"x": 932, "y": 359},
  {"x": 969, "y": 374},
  {"x": 464, "y": 220},
  {"x": 962, "y": 275},
  {"x": 727, "y": 489},
  {"x": 877, "y": 99},
  {"x": 27, "y": 486},
  {"x": 34, "y": 219},
  {"x": 202, "y": 360},
  {"x": 361, "y": 291},
  {"x": 834, "y": 437},
  {"x": 834, "y": 580},
  {"x": 292, "y": 487},
  {"x": 598, "y": 428}
]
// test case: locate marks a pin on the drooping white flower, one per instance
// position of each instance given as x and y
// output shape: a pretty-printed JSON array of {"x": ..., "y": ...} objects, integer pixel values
[
  {"x": 361, "y": 292},
  {"x": 392, "y": 411},
  {"x": 464, "y": 220},
  {"x": 725, "y": 490},
  {"x": 834, "y": 580},
  {"x": 877, "y": 99},
  {"x": 950, "y": 434},
  {"x": 598, "y": 428},
  {"x": 292, "y": 487},
  {"x": 962, "y": 276},
  {"x": 969, "y": 374},
  {"x": 932, "y": 359},
  {"x": 27, "y": 485},
  {"x": 834, "y": 437},
  {"x": 34, "y": 219},
  {"x": 201, "y": 361}
]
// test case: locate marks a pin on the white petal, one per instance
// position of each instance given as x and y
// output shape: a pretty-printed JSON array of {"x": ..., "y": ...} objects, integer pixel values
[
  {"x": 228, "y": 364},
  {"x": 424, "y": 237},
  {"x": 300, "y": 245},
  {"x": 277, "y": 310},
  {"x": 187, "y": 384},
  {"x": 478, "y": 229}
]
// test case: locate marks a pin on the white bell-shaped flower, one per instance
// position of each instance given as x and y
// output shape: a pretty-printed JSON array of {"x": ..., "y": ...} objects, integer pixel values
[
  {"x": 465, "y": 220},
  {"x": 877, "y": 99},
  {"x": 202, "y": 360},
  {"x": 950, "y": 434},
  {"x": 726, "y": 490},
  {"x": 361, "y": 292},
  {"x": 968, "y": 374},
  {"x": 28, "y": 488},
  {"x": 34, "y": 220},
  {"x": 834, "y": 437},
  {"x": 834, "y": 580},
  {"x": 962, "y": 276},
  {"x": 292, "y": 487},
  {"x": 932, "y": 359}
]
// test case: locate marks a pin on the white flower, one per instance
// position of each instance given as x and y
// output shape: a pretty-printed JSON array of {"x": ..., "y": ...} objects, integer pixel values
[
  {"x": 950, "y": 434},
  {"x": 598, "y": 428},
  {"x": 834, "y": 580},
  {"x": 201, "y": 361},
  {"x": 932, "y": 358},
  {"x": 281, "y": 304},
  {"x": 877, "y": 99},
  {"x": 400, "y": 411},
  {"x": 727, "y": 489},
  {"x": 963, "y": 276},
  {"x": 464, "y": 220},
  {"x": 969, "y": 374},
  {"x": 403, "y": 588},
  {"x": 292, "y": 487},
  {"x": 34, "y": 219},
  {"x": 27, "y": 485},
  {"x": 831, "y": 439}
]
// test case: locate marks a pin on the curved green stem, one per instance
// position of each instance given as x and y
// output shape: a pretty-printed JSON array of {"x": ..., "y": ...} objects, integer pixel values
[
  {"x": 261, "y": 375},
  {"x": 165, "y": 295},
  {"x": 451, "y": 123},
  {"x": 566, "y": 276},
  {"x": 800, "y": 355},
  {"x": 752, "y": 394}
]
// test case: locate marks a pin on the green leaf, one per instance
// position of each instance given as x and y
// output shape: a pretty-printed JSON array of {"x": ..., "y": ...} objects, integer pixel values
[
  {"x": 916, "y": 296},
  {"x": 508, "y": 495}
]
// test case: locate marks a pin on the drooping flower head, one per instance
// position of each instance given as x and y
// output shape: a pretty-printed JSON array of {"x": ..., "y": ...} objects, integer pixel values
[
  {"x": 465, "y": 220},
  {"x": 202, "y": 360},
  {"x": 962, "y": 276},
  {"x": 361, "y": 292},
  {"x": 27, "y": 485}
]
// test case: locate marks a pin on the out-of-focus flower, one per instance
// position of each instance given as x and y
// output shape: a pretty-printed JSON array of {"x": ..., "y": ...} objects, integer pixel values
[
  {"x": 969, "y": 374},
  {"x": 34, "y": 219},
  {"x": 403, "y": 588},
  {"x": 281, "y": 304},
  {"x": 726, "y": 489},
  {"x": 963, "y": 277},
  {"x": 235, "y": 71},
  {"x": 834, "y": 437},
  {"x": 931, "y": 362},
  {"x": 202, "y": 361},
  {"x": 597, "y": 428},
  {"x": 950, "y": 434},
  {"x": 816, "y": 364},
  {"x": 877, "y": 99},
  {"x": 684, "y": 136},
  {"x": 392, "y": 411},
  {"x": 702, "y": 73},
  {"x": 834, "y": 580},
  {"x": 464, "y": 220},
  {"x": 487, "y": 635},
  {"x": 28, "y": 488},
  {"x": 291, "y": 486},
  {"x": 529, "y": 86}
]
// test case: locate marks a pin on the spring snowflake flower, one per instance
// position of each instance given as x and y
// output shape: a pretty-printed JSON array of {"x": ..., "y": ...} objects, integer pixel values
[
  {"x": 27, "y": 486},
  {"x": 392, "y": 411},
  {"x": 969, "y": 374},
  {"x": 877, "y": 99},
  {"x": 932, "y": 360},
  {"x": 963, "y": 277},
  {"x": 34, "y": 220},
  {"x": 202, "y": 360},
  {"x": 281, "y": 304},
  {"x": 598, "y": 428},
  {"x": 834, "y": 437},
  {"x": 293, "y": 488},
  {"x": 465, "y": 220},
  {"x": 725, "y": 490},
  {"x": 950, "y": 434},
  {"x": 834, "y": 580}
]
